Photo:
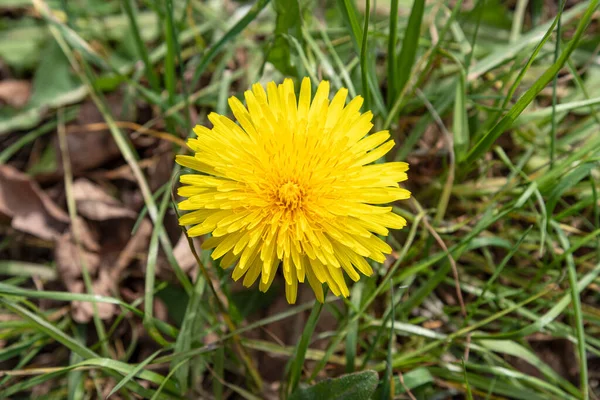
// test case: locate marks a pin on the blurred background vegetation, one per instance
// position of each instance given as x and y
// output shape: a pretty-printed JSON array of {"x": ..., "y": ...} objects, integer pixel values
[{"x": 492, "y": 290}]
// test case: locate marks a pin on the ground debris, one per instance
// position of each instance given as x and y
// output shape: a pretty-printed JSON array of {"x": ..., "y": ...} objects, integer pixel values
[
  {"x": 95, "y": 204},
  {"x": 31, "y": 210},
  {"x": 15, "y": 93}
]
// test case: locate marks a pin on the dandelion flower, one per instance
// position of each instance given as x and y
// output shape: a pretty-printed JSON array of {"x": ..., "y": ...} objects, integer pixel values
[{"x": 293, "y": 187}]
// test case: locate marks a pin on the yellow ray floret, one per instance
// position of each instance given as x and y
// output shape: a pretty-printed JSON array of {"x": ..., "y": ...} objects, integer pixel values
[{"x": 291, "y": 187}]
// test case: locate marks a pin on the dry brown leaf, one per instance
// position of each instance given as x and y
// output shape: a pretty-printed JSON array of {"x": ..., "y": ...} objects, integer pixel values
[
  {"x": 95, "y": 204},
  {"x": 183, "y": 254},
  {"x": 87, "y": 238},
  {"x": 69, "y": 259},
  {"x": 87, "y": 149},
  {"x": 137, "y": 244},
  {"x": 15, "y": 93},
  {"x": 31, "y": 209},
  {"x": 84, "y": 311}
]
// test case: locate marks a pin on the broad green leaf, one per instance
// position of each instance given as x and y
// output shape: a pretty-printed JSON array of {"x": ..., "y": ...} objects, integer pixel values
[
  {"x": 289, "y": 21},
  {"x": 412, "y": 380},
  {"x": 53, "y": 86},
  {"x": 357, "y": 386}
]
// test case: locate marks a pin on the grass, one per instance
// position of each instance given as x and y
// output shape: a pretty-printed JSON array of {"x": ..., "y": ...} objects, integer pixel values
[{"x": 492, "y": 290}]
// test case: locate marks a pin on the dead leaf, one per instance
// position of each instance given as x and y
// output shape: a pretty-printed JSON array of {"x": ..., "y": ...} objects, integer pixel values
[
  {"x": 433, "y": 324},
  {"x": 95, "y": 204},
  {"x": 138, "y": 243},
  {"x": 31, "y": 209},
  {"x": 69, "y": 259},
  {"x": 183, "y": 254},
  {"x": 89, "y": 149},
  {"x": 87, "y": 238},
  {"x": 122, "y": 172},
  {"x": 15, "y": 93},
  {"x": 160, "y": 171},
  {"x": 84, "y": 311}
]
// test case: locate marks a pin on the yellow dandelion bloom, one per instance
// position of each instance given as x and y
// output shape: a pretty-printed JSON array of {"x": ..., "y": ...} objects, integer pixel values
[{"x": 293, "y": 187}]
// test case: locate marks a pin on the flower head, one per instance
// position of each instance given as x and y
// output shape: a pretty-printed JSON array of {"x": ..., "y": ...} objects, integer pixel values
[{"x": 293, "y": 187}]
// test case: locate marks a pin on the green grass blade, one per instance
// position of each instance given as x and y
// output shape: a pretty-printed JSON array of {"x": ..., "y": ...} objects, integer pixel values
[
  {"x": 297, "y": 361},
  {"x": 467, "y": 385},
  {"x": 568, "y": 181},
  {"x": 83, "y": 297},
  {"x": 21, "y": 268},
  {"x": 229, "y": 36},
  {"x": 509, "y": 51},
  {"x": 350, "y": 15},
  {"x": 151, "y": 274},
  {"x": 49, "y": 329},
  {"x": 554, "y": 86},
  {"x": 134, "y": 372},
  {"x": 460, "y": 124},
  {"x": 72, "y": 210},
  {"x": 387, "y": 391},
  {"x": 364, "y": 72},
  {"x": 391, "y": 56},
  {"x": 29, "y": 137},
  {"x": 189, "y": 328},
  {"x": 541, "y": 115},
  {"x": 410, "y": 45},
  {"x": 577, "y": 313},
  {"x": 288, "y": 21},
  {"x": 352, "y": 337},
  {"x": 490, "y": 138},
  {"x": 140, "y": 45}
]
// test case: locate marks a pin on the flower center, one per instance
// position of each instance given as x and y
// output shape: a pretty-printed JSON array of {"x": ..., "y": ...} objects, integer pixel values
[{"x": 289, "y": 195}]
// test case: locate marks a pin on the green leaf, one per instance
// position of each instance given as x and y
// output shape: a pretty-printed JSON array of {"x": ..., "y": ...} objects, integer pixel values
[
  {"x": 53, "y": 86},
  {"x": 412, "y": 380},
  {"x": 289, "y": 22},
  {"x": 20, "y": 45},
  {"x": 357, "y": 386}
]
